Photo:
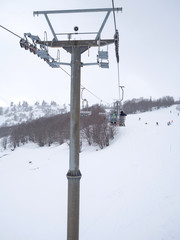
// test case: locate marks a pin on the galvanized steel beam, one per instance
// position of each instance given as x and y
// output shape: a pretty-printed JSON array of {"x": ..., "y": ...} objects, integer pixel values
[
  {"x": 70, "y": 43},
  {"x": 76, "y": 11}
]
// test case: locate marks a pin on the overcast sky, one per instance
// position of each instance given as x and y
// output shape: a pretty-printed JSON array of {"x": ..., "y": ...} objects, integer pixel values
[{"x": 149, "y": 51}]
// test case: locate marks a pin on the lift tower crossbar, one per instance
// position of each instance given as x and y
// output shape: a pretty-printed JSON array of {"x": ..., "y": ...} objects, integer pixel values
[
  {"x": 75, "y": 48},
  {"x": 77, "y": 11}
]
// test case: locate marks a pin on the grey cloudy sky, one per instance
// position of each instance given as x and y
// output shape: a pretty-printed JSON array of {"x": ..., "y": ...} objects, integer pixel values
[{"x": 149, "y": 51}]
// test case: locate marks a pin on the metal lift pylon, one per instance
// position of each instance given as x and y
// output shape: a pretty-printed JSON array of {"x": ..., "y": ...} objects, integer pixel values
[{"x": 75, "y": 48}]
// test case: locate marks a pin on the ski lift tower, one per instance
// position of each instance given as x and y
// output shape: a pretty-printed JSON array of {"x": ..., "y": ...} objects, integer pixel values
[{"x": 76, "y": 48}]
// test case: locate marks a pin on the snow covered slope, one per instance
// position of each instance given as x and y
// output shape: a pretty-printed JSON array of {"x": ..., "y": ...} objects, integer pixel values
[{"x": 129, "y": 191}]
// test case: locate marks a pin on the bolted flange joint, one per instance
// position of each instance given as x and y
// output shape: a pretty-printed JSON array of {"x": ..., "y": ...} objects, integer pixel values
[{"x": 73, "y": 174}]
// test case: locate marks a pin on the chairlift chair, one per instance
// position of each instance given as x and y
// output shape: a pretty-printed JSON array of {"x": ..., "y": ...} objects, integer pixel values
[
  {"x": 103, "y": 54},
  {"x": 103, "y": 58},
  {"x": 104, "y": 64}
]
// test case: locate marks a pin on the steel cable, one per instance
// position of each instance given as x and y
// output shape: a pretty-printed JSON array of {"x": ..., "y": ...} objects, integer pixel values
[{"x": 59, "y": 66}]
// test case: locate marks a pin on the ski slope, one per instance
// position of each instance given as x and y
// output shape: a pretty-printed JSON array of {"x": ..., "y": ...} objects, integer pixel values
[{"x": 129, "y": 190}]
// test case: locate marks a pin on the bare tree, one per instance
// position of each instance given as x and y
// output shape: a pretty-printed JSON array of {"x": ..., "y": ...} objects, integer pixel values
[{"x": 4, "y": 143}]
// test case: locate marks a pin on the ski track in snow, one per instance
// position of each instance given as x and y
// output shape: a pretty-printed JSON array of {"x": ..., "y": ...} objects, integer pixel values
[{"x": 129, "y": 190}]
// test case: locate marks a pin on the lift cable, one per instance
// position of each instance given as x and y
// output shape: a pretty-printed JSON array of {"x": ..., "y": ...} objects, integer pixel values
[
  {"x": 114, "y": 15},
  {"x": 94, "y": 95},
  {"x": 10, "y": 31},
  {"x": 59, "y": 66},
  {"x": 116, "y": 41},
  {"x": 87, "y": 89}
]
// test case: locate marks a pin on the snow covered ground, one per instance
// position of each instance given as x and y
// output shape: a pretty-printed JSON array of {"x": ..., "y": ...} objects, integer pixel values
[{"x": 129, "y": 190}]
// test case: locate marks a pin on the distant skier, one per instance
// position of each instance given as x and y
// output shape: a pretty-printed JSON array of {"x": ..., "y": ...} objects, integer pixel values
[
  {"x": 169, "y": 123},
  {"x": 122, "y": 113}
]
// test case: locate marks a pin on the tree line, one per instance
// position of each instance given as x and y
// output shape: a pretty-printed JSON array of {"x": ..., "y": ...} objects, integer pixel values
[
  {"x": 143, "y": 105},
  {"x": 94, "y": 129}
]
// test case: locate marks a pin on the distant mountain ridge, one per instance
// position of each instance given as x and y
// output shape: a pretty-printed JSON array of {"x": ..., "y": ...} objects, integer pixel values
[{"x": 23, "y": 112}]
